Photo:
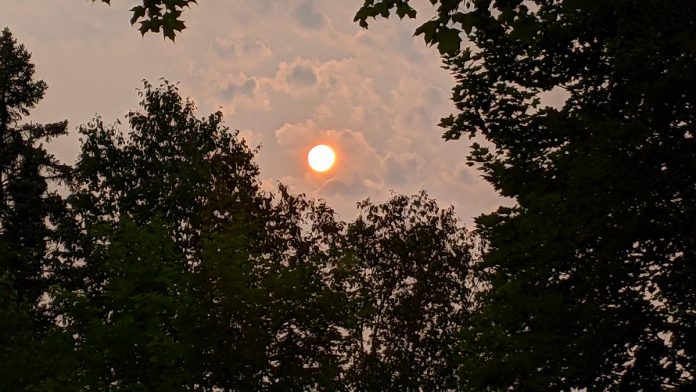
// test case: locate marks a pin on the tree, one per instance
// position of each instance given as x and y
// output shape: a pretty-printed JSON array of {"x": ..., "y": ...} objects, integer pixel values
[
  {"x": 133, "y": 326},
  {"x": 193, "y": 174},
  {"x": 29, "y": 212},
  {"x": 410, "y": 288},
  {"x": 183, "y": 262},
  {"x": 180, "y": 252},
  {"x": 145, "y": 202},
  {"x": 278, "y": 304},
  {"x": 588, "y": 271},
  {"x": 156, "y": 15}
]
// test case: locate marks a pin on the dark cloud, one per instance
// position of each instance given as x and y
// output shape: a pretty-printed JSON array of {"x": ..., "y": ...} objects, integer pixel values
[
  {"x": 308, "y": 16},
  {"x": 433, "y": 95},
  {"x": 402, "y": 168},
  {"x": 302, "y": 75},
  {"x": 336, "y": 186},
  {"x": 468, "y": 175},
  {"x": 246, "y": 47},
  {"x": 246, "y": 88}
]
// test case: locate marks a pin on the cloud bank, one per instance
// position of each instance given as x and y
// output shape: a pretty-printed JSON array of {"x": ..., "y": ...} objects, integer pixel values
[{"x": 289, "y": 75}]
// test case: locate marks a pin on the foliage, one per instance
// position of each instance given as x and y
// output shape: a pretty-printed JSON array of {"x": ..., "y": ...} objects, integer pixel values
[
  {"x": 275, "y": 303},
  {"x": 187, "y": 179},
  {"x": 193, "y": 174},
  {"x": 132, "y": 320},
  {"x": 143, "y": 202},
  {"x": 181, "y": 253},
  {"x": 410, "y": 289},
  {"x": 168, "y": 268},
  {"x": 28, "y": 210},
  {"x": 156, "y": 15},
  {"x": 589, "y": 269},
  {"x": 265, "y": 314}
]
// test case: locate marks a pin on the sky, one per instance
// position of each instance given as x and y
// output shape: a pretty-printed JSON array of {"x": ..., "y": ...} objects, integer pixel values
[{"x": 287, "y": 74}]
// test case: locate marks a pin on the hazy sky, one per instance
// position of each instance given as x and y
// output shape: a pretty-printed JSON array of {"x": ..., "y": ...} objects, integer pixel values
[{"x": 288, "y": 74}]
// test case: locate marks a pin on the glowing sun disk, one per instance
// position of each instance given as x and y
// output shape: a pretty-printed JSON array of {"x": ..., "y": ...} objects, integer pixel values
[{"x": 321, "y": 158}]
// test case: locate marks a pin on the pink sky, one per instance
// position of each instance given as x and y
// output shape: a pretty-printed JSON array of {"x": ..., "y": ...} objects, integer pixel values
[{"x": 288, "y": 74}]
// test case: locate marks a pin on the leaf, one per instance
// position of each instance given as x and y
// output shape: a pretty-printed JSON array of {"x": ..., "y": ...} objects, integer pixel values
[
  {"x": 138, "y": 12},
  {"x": 403, "y": 9},
  {"x": 448, "y": 41},
  {"x": 467, "y": 20},
  {"x": 428, "y": 30}
]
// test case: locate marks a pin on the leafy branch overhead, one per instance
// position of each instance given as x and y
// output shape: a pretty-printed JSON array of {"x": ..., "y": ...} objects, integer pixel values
[
  {"x": 159, "y": 15},
  {"x": 440, "y": 30}
]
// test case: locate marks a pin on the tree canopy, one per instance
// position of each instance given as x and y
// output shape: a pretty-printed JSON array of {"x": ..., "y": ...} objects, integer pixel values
[
  {"x": 167, "y": 267},
  {"x": 164, "y": 266},
  {"x": 588, "y": 271},
  {"x": 408, "y": 254}
]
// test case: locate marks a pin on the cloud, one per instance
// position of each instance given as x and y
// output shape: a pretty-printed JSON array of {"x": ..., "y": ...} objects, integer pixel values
[
  {"x": 243, "y": 48},
  {"x": 302, "y": 75},
  {"x": 246, "y": 88},
  {"x": 308, "y": 16},
  {"x": 288, "y": 79},
  {"x": 297, "y": 78},
  {"x": 358, "y": 170},
  {"x": 402, "y": 168},
  {"x": 354, "y": 189},
  {"x": 236, "y": 92}
]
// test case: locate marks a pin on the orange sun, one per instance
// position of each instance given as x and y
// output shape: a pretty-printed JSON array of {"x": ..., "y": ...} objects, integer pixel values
[{"x": 321, "y": 158}]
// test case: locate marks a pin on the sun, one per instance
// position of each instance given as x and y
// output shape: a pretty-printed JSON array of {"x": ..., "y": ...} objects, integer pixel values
[{"x": 321, "y": 158}]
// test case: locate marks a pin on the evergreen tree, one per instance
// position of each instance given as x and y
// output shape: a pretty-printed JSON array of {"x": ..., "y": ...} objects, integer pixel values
[{"x": 29, "y": 211}]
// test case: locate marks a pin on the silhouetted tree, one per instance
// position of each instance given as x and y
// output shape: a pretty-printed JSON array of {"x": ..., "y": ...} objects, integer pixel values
[
  {"x": 410, "y": 286},
  {"x": 239, "y": 294},
  {"x": 590, "y": 270},
  {"x": 132, "y": 319},
  {"x": 172, "y": 175},
  {"x": 192, "y": 173},
  {"x": 277, "y": 304},
  {"x": 28, "y": 213},
  {"x": 191, "y": 277}
]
